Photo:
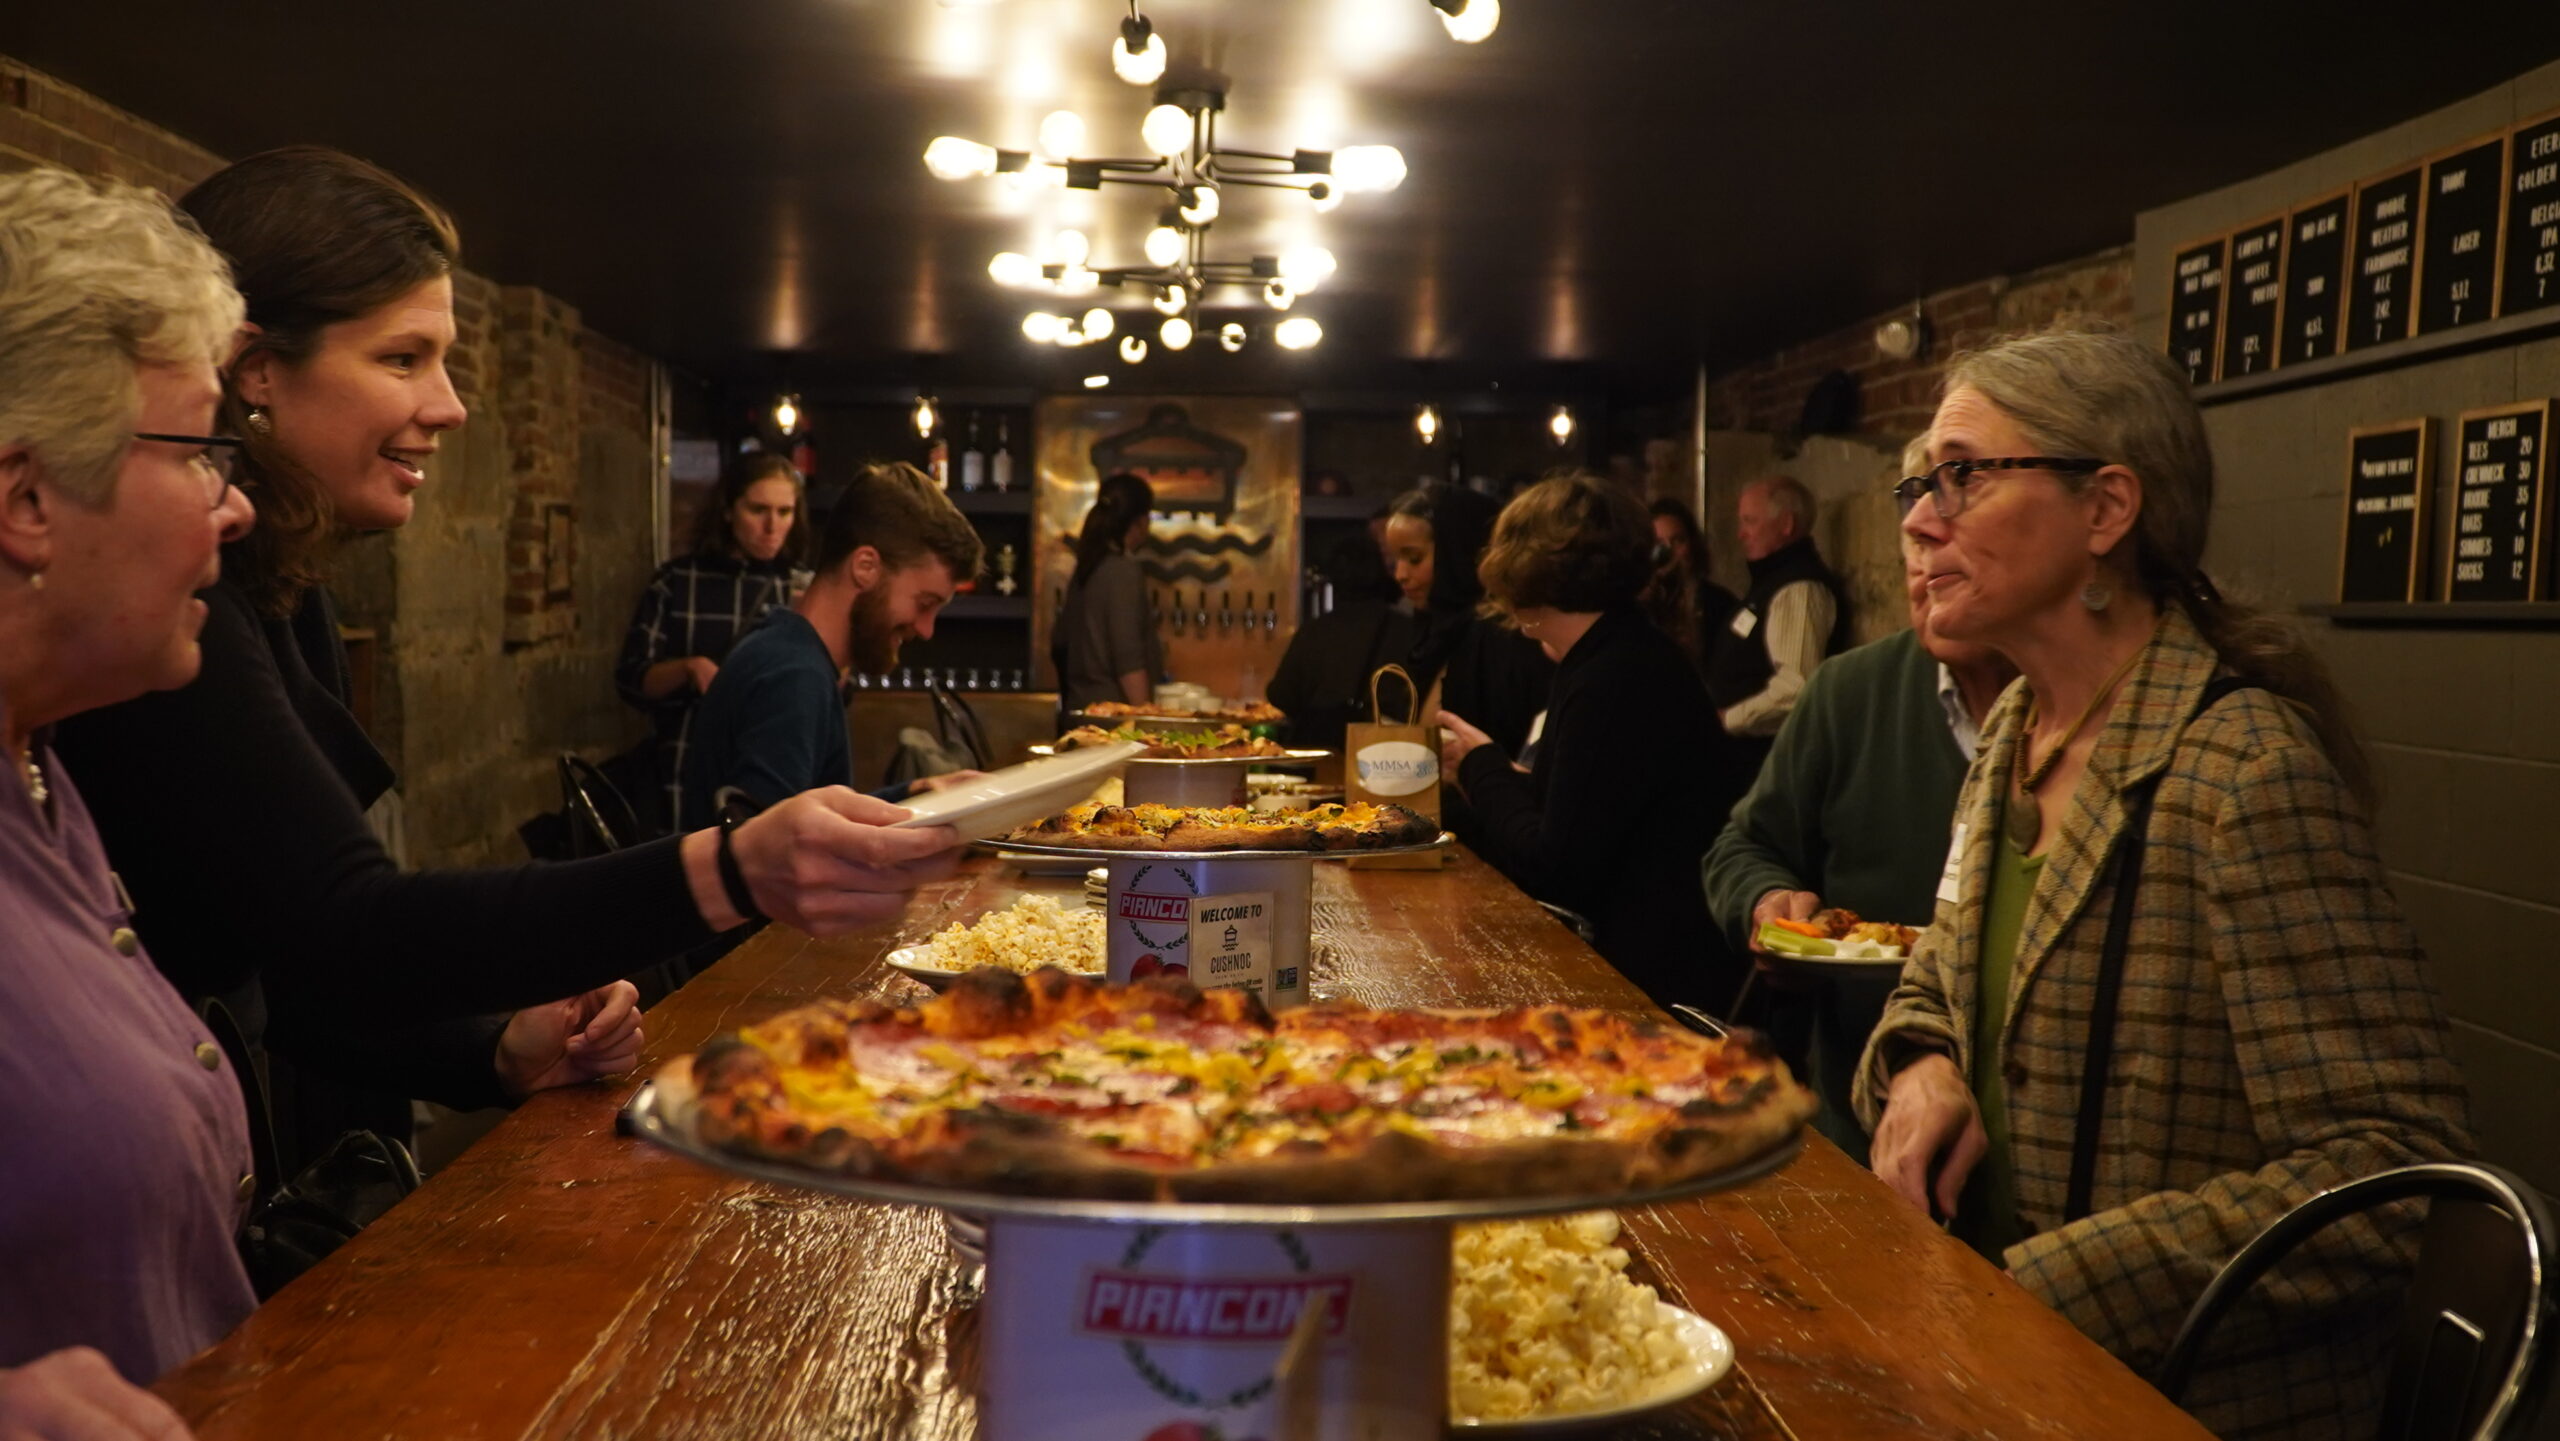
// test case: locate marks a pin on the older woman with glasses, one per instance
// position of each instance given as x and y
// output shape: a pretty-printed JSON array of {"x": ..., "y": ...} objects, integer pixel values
[
  {"x": 125, "y": 1144},
  {"x": 2167, "y": 995}
]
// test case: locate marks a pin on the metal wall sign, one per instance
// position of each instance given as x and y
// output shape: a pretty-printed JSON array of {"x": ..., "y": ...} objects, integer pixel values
[
  {"x": 2195, "y": 306},
  {"x": 2531, "y": 275},
  {"x": 2502, "y": 511},
  {"x": 2315, "y": 279},
  {"x": 2390, "y": 491},
  {"x": 2380, "y": 288},
  {"x": 2458, "y": 259}
]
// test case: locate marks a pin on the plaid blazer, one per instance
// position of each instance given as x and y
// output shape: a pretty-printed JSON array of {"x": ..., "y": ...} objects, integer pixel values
[{"x": 2277, "y": 1035}]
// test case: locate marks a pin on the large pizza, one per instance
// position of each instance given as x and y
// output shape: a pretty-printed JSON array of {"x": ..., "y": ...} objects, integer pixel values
[
  {"x": 1060, "y": 1085},
  {"x": 1359, "y": 826},
  {"x": 1256, "y": 712},
  {"x": 1228, "y": 742}
]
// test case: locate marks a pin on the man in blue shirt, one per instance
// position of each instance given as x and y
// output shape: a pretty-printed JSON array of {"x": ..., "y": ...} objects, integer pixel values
[{"x": 893, "y": 553}]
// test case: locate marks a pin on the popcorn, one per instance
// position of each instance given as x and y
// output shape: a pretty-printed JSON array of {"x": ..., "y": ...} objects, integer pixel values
[
  {"x": 1033, "y": 932},
  {"x": 1543, "y": 1321}
]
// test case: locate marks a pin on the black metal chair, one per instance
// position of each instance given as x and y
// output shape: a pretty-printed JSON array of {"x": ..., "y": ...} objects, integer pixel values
[
  {"x": 2467, "y": 1365},
  {"x": 600, "y": 819}
]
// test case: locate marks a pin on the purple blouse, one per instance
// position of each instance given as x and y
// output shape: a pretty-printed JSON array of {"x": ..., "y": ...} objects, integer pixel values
[{"x": 124, "y": 1148}]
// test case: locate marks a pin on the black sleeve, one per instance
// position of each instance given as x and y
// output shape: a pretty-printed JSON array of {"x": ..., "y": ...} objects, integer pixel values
[
  {"x": 1561, "y": 847},
  {"x": 452, "y": 1063},
  {"x": 246, "y": 854}
]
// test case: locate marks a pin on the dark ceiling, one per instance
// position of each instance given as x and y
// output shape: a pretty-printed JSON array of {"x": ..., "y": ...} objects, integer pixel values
[{"x": 1630, "y": 186}]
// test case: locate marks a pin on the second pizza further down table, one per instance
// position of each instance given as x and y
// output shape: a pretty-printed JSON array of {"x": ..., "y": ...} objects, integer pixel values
[{"x": 560, "y": 1281}]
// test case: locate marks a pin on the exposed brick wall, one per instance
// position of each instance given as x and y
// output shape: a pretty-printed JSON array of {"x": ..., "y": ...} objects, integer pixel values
[
  {"x": 1897, "y": 395},
  {"x": 496, "y": 630}
]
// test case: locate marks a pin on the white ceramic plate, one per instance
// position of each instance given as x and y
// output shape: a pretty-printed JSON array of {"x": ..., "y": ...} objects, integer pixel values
[
  {"x": 919, "y": 962},
  {"x": 1041, "y": 865},
  {"x": 999, "y": 801},
  {"x": 1710, "y": 1355}
]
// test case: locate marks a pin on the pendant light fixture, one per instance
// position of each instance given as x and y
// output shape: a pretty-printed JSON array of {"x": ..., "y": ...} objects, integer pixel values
[{"x": 786, "y": 413}]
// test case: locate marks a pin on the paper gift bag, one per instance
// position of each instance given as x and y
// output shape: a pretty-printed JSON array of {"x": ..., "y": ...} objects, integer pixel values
[{"x": 1394, "y": 763}]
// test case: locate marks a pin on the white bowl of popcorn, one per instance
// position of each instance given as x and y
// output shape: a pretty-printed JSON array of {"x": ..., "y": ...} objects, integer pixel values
[{"x": 1546, "y": 1333}]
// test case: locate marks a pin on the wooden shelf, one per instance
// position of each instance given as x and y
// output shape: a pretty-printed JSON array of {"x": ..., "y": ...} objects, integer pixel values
[
  {"x": 2440, "y": 614},
  {"x": 992, "y": 502},
  {"x": 973, "y": 605},
  {"x": 2506, "y": 330}
]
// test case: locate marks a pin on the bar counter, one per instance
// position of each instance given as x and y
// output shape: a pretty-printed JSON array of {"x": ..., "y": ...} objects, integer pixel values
[{"x": 560, "y": 1281}]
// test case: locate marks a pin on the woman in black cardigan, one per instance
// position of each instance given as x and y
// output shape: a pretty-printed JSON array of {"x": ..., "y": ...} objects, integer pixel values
[
  {"x": 234, "y": 809},
  {"x": 1612, "y": 819}
]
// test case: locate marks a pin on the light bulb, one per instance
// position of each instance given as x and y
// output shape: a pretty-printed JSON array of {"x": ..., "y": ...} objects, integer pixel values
[
  {"x": 1174, "y": 334},
  {"x": 1166, "y": 130},
  {"x": 1560, "y": 425},
  {"x": 1013, "y": 269},
  {"x": 1069, "y": 248},
  {"x": 1096, "y": 382},
  {"x": 1061, "y": 134},
  {"x": 1142, "y": 64},
  {"x": 951, "y": 158},
  {"x": 1297, "y": 332},
  {"x": 1072, "y": 335},
  {"x": 1044, "y": 326},
  {"x": 1076, "y": 280},
  {"x": 926, "y": 416},
  {"x": 1473, "y": 21},
  {"x": 1097, "y": 323},
  {"x": 1164, "y": 245},
  {"x": 1325, "y": 196},
  {"x": 1279, "y": 294},
  {"x": 786, "y": 414},
  {"x": 1172, "y": 301},
  {"x": 1306, "y": 267},
  {"x": 1202, "y": 206},
  {"x": 1231, "y": 337},
  {"x": 1368, "y": 167},
  {"x": 1133, "y": 349},
  {"x": 1426, "y": 424}
]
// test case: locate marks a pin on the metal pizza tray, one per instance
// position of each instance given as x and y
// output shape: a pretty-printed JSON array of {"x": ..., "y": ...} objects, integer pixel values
[
  {"x": 1444, "y": 839},
  {"x": 1285, "y": 758},
  {"x": 1170, "y": 720},
  {"x": 663, "y": 1123}
]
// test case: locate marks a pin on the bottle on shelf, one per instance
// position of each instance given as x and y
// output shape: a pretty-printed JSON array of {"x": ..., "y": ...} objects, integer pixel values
[
  {"x": 1006, "y": 561},
  {"x": 973, "y": 464},
  {"x": 1000, "y": 464},
  {"x": 937, "y": 462}
]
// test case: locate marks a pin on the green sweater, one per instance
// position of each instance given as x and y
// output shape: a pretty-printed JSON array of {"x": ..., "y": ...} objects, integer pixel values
[{"x": 1856, "y": 799}]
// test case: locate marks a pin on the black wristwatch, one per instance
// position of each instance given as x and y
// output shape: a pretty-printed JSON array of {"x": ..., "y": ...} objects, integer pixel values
[{"x": 733, "y": 814}]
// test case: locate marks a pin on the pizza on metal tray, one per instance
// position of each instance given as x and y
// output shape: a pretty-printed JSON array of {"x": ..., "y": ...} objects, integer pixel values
[
  {"x": 1061, "y": 1085},
  {"x": 1358, "y": 826}
]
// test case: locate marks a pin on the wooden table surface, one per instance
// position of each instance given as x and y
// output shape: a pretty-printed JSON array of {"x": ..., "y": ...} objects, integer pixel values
[{"x": 560, "y": 1281}]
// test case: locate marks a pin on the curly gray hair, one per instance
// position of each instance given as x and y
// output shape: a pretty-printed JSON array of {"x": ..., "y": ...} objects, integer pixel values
[{"x": 97, "y": 279}]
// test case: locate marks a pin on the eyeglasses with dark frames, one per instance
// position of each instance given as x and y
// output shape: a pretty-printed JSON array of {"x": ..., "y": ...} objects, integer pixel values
[
  {"x": 219, "y": 455},
  {"x": 1947, "y": 483}
]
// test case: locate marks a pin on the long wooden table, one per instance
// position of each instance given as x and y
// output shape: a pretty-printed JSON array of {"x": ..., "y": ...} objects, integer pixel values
[{"x": 561, "y": 1281}]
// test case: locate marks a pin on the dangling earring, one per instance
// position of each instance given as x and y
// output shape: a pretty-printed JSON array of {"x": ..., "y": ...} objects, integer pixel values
[
  {"x": 2097, "y": 595},
  {"x": 35, "y": 580},
  {"x": 258, "y": 420}
]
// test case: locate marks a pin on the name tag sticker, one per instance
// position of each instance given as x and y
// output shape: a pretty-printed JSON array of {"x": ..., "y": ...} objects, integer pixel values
[
  {"x": 1745, "y": 621},
  {"x": 1948, "y": 878}
]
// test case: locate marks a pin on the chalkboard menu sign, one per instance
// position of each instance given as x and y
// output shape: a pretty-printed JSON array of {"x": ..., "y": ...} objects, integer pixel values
[
  {"x": 2390, "y": 473},
  {"x": 2255, "y": 293},
  {"x": 2501, "y": 503},
  {"x": 2195, "y": 307},
  {"x": 2532, "y": 278},
  {"x": 2315, "y": 277},
  {"x": 2458, "y": 264},
  {"x": 2386, "y": 226}
]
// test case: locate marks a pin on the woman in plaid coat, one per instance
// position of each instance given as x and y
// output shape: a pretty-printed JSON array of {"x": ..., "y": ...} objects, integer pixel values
[{"x": 2274, "y": 1033}]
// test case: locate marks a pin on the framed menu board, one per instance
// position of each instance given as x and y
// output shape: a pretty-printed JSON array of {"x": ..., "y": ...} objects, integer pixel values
[
  {"x": 2501, "y": 503},
  {"x": 2315, "y": 279},
  {"x": 2386, "y": 253},
  {"x": 2390, "y": 474},
  {"x": 2458, "y": 259},
  {"x": 2531, "y": 278},
  {"x": 2253, "y": 295},
  {"x": 2195, "y": 307}
]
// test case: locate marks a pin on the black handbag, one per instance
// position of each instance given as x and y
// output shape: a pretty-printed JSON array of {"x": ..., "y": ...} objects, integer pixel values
[{"x": 294, "y": 1226}]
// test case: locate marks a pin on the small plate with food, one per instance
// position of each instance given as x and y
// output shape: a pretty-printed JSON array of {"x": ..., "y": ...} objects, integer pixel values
[
  {"x": 1034, "y": 931},
  {"x": 1837, "y": 939},
  {"x": 1548, "y": 1333}
]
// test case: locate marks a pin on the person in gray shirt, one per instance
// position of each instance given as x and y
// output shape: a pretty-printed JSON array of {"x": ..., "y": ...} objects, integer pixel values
[{"x": 1106, "y": 649}]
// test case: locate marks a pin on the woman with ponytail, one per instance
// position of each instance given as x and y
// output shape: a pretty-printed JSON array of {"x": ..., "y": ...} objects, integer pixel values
[
  {"x": 1106, "y": 648},
  {"x": 2167, "y": 995}
]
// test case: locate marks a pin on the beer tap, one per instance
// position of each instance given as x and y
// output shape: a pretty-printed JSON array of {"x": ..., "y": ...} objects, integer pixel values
[
  {"x": 1252, "y": 617},
  {"x": 1155, "y": 608},
  {"x": 1227, "y": 610},
  {"x": 1271, "y": 617},
  {"x": 1179, "y": 614},
  {"x": 1200, "y": 617}
]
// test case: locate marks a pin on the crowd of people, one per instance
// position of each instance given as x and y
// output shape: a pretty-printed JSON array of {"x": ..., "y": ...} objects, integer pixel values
[{"x": 2104, "y": 788}]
